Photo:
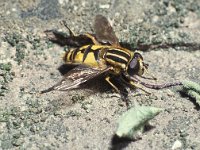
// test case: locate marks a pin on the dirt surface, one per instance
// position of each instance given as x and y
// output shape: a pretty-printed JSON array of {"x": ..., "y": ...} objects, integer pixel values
[{"x": 168, "y": 34}]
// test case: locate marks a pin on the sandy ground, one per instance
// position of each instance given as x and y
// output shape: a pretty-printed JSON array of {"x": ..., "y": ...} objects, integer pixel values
[{"x": 86, "y": 118}]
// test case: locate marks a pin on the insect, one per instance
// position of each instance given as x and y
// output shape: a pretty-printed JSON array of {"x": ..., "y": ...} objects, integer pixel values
[{"x": 101, "y": 54}]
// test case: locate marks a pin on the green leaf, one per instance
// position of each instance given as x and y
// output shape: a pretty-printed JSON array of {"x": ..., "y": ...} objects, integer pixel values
[
  {"x": 192, "y": 89},
  {"x": 132, "y": 122},
  {"x": 194, "y": 95},
  {"x": 189, "y": 85}
]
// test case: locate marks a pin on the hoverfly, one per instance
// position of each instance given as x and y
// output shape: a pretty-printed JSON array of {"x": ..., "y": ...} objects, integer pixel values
[{"x": 101, "y": 54}]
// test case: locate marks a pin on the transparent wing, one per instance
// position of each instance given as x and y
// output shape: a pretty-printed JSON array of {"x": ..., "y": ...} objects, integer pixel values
[
  {"x": 104, "y": 32},
  {"x": 75, "y": 77}
]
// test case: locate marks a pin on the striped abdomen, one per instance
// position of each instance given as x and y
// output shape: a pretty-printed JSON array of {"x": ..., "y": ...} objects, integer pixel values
[{"x": 88, "y": 55}]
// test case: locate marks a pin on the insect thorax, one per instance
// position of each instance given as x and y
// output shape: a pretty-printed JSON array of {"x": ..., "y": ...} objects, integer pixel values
[{"x": 116, "y": 57}]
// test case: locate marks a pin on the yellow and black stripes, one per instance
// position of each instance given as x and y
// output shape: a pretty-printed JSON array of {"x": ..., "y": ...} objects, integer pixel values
[
  {"x": 70, "y": 55},
  {"x": 88, "y": 55},
  {"x": 74, "y": 53},
  {"x": 117, "y": 56},
  {"x": 93, "y": 54},
  {"x": 86, "y": 52}
]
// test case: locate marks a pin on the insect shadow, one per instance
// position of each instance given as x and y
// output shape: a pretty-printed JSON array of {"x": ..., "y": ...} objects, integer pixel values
[
  {"x": 197, "y": 107},
  {"x": 121, "y": 143},
  {"x": 64, "y": 39},
  {"x": 97, "y": 83},
  {"x": 65, "y": 68}
]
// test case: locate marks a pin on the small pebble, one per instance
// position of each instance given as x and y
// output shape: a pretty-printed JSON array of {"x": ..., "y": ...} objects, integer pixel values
[{"x": 177, "y": 145}]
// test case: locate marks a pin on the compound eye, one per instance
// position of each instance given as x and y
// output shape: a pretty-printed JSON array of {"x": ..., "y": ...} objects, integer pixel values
[
  {"x": 133, "y": 63},
  {"x": 133, "y": 67}
]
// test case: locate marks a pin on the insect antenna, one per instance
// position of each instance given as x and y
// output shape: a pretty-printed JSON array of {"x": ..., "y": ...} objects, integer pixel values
[
  {"x": 157, "y": 86},
  {"x": 149, "y": 78},
  {"x": 161, "y": 86}
]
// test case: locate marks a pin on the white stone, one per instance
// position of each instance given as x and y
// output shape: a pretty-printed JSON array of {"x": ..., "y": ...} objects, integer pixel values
[
  {"x": 177, "y": 144},
  {"x": 105, "y": 6}
]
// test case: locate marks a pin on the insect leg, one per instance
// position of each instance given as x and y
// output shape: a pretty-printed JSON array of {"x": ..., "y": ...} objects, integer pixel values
[
  {"x": 92, "y": 38},
  {"x": 63, "y": 22},
  {"x": 108, "y": 79},
  {"x": 133, "y": 83},
  {"x": 138, "y": 86},
  {"x": 116, "y": 83}
]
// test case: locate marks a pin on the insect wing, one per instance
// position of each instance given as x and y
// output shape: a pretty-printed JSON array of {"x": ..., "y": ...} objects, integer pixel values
[
  {"x": 63, "y": 39},
  {"x": 75, "y": 77},
  {"x": 104, "y": 32}
]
